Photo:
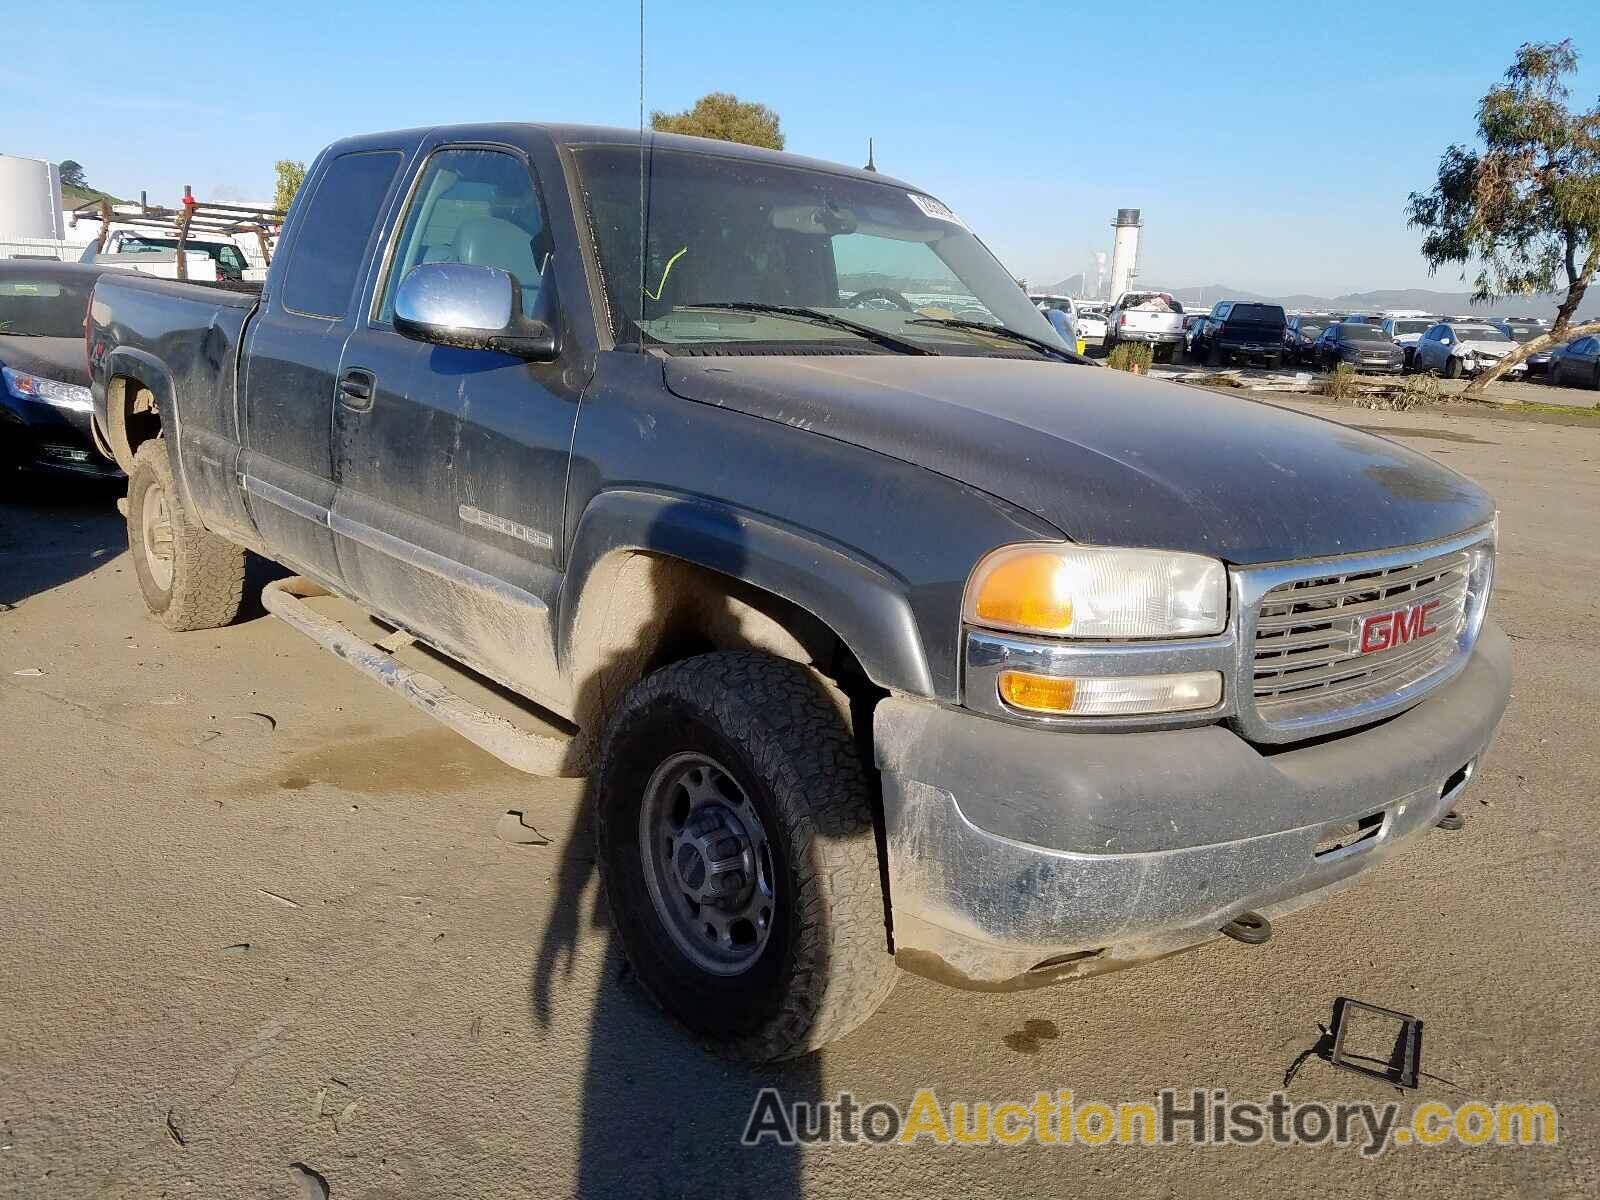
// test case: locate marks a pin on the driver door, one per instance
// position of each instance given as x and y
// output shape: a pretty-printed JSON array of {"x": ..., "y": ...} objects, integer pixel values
[{"x": 452, "y": 462}]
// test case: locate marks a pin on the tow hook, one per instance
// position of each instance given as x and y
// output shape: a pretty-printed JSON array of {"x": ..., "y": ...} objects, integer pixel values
[
  {"x": 1251, "y": 928},
  {"x": 1452, "y": 821}
]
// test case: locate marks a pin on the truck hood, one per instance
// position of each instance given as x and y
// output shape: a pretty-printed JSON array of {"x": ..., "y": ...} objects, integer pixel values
[
  {"x": 63, "y": 359},
  {"x": 1110, "y": 458}
]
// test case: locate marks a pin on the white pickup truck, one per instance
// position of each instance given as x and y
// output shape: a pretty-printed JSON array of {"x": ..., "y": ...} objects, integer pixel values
[{"x": 1152, "y": 318}]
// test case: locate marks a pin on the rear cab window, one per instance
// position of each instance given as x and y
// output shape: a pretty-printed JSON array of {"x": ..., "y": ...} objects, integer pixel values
[
  {"x": 1268, "y": 314},
  {"x": 324, "y": 263}
]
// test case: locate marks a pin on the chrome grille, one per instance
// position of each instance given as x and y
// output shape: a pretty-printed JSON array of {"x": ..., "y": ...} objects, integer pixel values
[{"x": 1307, "y": 660}]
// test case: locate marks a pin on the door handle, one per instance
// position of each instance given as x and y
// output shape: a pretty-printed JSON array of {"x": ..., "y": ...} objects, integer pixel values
[{"x": 356, "y": 388}]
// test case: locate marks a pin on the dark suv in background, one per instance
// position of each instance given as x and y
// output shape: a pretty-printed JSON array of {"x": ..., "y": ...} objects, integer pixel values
[{"x": 1240, "y": 329}]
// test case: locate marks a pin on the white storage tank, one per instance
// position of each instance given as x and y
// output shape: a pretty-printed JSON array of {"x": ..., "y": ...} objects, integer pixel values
[
  {"x": 30, "y": 198},
  {"x": 1124, "y": 250}
]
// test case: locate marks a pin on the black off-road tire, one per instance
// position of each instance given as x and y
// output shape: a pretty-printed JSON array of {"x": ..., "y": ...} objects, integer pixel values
[
  {"x": 206, "y": 590},
  {"x": 826, "y": 966}
]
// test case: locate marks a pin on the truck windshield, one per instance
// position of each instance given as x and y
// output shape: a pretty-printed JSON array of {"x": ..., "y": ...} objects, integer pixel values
[
  {"x": 725, "y": 236},
  {"x": 43, "y": 307}
]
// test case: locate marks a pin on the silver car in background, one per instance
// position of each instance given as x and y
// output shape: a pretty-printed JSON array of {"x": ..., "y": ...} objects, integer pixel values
[
  {"x": 1406, "y": 332},
  {"x": 1457, "y": 348}
]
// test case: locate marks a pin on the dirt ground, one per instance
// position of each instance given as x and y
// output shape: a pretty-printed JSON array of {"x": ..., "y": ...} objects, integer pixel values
[{"x": 255, "y": 914}]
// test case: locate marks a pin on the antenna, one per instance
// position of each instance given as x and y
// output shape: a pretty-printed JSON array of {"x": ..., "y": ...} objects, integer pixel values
[{"x": 871, "y": 165}]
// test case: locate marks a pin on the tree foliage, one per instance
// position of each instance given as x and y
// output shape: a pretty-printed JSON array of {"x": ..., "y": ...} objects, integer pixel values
[
  {"x": 72, "y": 174},
  {"x": 723, "y": 115},
  {"x": 1524, "y": 209},
  {"x": 291, "y": 174}
]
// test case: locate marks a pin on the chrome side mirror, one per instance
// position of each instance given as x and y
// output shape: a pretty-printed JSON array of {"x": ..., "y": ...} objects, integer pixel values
[{"x": 470, "y": 307}]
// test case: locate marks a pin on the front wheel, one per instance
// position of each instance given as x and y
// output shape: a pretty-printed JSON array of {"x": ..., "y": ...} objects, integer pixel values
[
  {"x": 1452, "y": 367},
  {"x": 735, "y": 839}
]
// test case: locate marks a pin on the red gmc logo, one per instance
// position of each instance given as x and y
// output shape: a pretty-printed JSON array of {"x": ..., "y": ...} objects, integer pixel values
[{"x": 1384, "y": 631}]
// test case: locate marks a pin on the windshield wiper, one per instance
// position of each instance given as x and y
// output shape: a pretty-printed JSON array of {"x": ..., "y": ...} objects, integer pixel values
[
  {"x": 877, "y": 336},
  {"x": 1002, "y": 331}
]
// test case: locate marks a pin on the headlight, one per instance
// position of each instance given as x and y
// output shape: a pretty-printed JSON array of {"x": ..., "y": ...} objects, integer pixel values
[
  {"x": 49, "y": 391},
  {"x": 1088, "y": 592}
]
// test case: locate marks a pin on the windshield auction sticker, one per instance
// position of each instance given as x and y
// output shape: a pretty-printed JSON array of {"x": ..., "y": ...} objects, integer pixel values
[
  {"x": 935, "y": 209},
  {"x": 1197, "y": 1117}
]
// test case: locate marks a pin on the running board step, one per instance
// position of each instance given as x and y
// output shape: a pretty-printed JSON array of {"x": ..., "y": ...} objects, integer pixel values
[{"x": 536, "y": 754}]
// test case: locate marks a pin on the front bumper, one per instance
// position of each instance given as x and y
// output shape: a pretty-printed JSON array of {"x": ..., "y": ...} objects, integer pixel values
[
  {"x": 1388, "y": 367},
  {"x": 1021, "y": 856},
  {"x": 42, "y": 437}
]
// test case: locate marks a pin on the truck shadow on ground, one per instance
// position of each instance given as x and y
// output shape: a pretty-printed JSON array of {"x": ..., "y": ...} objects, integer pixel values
[
  {"x": 662, "y": 1113},
  {"x": 55, "y": 531}
]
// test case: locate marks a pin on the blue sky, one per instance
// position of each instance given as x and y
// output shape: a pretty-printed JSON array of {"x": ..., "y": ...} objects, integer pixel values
[{"x": 1270, "y": 145}]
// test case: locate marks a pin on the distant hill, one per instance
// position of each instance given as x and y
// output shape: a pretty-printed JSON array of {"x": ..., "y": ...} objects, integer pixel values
[{"x": 72, "y": 197}]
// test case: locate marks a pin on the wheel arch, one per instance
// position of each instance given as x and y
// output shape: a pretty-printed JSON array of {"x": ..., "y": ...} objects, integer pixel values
[
  {"x": 653, "y": 577},
  {"x": 139, "y": 399}
]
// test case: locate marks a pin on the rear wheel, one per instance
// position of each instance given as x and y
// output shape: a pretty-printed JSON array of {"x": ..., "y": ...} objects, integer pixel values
[
  {"x": 190, "y": 579},
  {"x": 735, "y": 838}
]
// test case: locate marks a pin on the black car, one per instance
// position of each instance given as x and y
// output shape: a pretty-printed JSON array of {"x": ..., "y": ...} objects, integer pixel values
[
  {"x": 46, "y": 413},
  {"x": 1240, "y": 329},
  {"x": 1577, "y": 363},
  {"x": 1300, "y": 336},
  {"x": 1365, "y": 348}
]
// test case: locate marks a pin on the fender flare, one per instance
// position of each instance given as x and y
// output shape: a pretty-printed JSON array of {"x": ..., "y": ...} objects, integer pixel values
[
  {"x": 145, "y": 369},
  {"x": 864, "y": 603}
]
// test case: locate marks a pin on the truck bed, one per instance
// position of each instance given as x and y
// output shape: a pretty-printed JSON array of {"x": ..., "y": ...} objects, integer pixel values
[{"x": 182, "y": 340}]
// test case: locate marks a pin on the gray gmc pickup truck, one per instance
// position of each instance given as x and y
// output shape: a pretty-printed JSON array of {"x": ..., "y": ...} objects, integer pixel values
[{"x": 889, "y": 631}]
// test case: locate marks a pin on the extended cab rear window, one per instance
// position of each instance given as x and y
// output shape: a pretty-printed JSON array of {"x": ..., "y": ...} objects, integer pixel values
[{"x": 334, "y": 230}]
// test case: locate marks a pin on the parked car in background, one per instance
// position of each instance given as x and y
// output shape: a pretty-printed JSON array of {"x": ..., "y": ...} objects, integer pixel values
[
  {"x": 1522, "y": 330},
  {"x": 1457, "y": 348},
  {"x": 1406, "y": 332},
  {"x": 1576, "y": 363},
  {"x": 1239, "y": 329},
  {"x": 1153, "y": 319},
  {"x": 1092, "y": 324},
  {"x": 1062, "y": 313},
  {"x": 1300, "y": 334},
  {"x": 1362, "y": 347},
  {"x": 46, "y": 413}
]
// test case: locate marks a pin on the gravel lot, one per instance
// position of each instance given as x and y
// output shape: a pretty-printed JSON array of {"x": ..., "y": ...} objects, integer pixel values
[{"x": 256, "y": 914}]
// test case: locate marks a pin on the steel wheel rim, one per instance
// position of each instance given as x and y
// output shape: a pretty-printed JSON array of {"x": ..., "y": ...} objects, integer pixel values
[
  {"x": 707, "y": 863},
  {"x": 155, "y": 534}
]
